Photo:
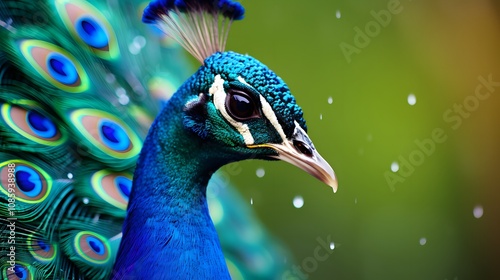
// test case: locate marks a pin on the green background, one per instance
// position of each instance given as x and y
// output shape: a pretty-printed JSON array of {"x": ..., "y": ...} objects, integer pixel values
[{"x": 435, "y": 50}]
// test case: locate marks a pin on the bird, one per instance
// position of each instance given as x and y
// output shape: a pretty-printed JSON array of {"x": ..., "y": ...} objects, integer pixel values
[{"x": 106, "y": 155}]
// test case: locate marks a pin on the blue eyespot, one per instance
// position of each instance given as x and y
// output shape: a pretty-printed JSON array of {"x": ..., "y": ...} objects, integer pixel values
[
  {"x": 62, "y": 69},
  {"x": 96, "y": 245},
  {"x": 43, "y": 245},
  {"x": 28, "y": 181},
  {"x": 41, "y": 125},
  {"x": 114, "y": 136},
  {"x": 124, "y": 184},
  {"x": 91, "y": 32},
  {"x": 20, "y": 272}
]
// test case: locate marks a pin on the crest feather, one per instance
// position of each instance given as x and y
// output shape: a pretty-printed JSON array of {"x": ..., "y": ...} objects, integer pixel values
[{"x": 201, "y": 26}]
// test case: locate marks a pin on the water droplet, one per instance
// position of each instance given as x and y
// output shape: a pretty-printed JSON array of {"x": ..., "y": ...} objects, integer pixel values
[
  {"x": 120, "y": 91},
  {"x": 330, "y": 100},
  {"x": 422, "y": 241},
  {"x": 298, "y": 201},
  {"x": 124, "y": 100},
  {"x": 356, "y": 200},
  {"x": 478, "y": 211},
  {"x": 260, "y": 172},
  {"x": 320, "y": 116},
  {"x": 70, "y": 175},
  {"x": 140, "y": 41},
  {"x": 332, "y": 246},
  {"x": 412, "y": 99},
  {"x": 110, "y": 78},
  {"x": 134, "y": 49},
  {"x": 251, "y": 201},
  {"x": 394, "y": 166},
  {"x": 85, "y": 200},
  {"x": 337, "y": 14}
]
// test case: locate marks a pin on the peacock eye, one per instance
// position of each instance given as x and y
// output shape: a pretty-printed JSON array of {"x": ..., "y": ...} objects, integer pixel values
[{"x": 241, "y": 106}]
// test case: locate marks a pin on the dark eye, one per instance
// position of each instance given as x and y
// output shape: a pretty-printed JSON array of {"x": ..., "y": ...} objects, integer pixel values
[
  {"x": 241, "y": 106},
  {"x": 303, "y": 148}
]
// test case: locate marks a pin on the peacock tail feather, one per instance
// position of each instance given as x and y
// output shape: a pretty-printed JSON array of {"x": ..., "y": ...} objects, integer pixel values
[{"x": 80, "y": 84}]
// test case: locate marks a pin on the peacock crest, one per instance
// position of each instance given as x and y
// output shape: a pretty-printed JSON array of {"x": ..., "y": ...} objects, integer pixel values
[{"x": 201, "y": 27}]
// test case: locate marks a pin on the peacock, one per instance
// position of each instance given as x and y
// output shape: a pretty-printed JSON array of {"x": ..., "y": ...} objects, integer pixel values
[{"x": 106, "y": 155}]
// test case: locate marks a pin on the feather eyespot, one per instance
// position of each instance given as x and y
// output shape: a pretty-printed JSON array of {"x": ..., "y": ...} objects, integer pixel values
[
  {"x": 32, "y": 124},
  {"x": 241, "y": 106},
  {"x": 91, "y": 32},
  {"x": 55, "y": 65},
  {"x": 32, "y": 183},
  {"x": 42, "y": 250},
  {"x": 113, "y": 135},
  {"x": 20, "y": 271},
  {"x": 88, "y": 25},
  {"x": 113, "y": 187},
  {"x": 92, "y": 247},
  {"x": 106, "y": 132}
]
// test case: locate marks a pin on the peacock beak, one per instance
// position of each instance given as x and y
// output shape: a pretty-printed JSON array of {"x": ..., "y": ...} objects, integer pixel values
[{"x": 300, "y": 151}]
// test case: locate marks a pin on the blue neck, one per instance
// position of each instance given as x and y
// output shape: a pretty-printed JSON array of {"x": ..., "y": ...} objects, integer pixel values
[{"x": 168, "y": 233}]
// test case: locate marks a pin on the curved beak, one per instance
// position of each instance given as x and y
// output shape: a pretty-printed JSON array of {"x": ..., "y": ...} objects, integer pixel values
[{"x": 300, "y": 152}]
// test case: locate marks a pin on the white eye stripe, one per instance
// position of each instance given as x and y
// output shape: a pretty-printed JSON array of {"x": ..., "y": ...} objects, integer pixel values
[
  {"x": 242, "y": 80},
  {"x": 271, "y": 116},
  {"x": 217, "y": 90},
  {"x": 268, "y": 113}
]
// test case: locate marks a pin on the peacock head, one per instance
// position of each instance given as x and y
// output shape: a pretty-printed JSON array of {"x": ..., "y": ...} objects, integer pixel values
[
  {"x": 247, "y": 111},
  {"x": 235, "y": 102}
]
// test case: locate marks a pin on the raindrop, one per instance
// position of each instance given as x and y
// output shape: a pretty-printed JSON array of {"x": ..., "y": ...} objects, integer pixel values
[
  {"x": 120, "y": 91},
  {"x": 140, "y": 41},
  {"x": 251, "y": 201},
  {"x": 260, "y": 172},
  {"x": 134, "y": 49},
  {"x": 412, "y": 99},
  {"x": 478, "y": 211},
  {"x": 394, "y": 167},
  {"x": 110, "y": 78},
  {"x": 124, "y": 100},
  {"x": 332, "y": 246},
  {"x": 356, "y": 200},
  {"x": 330, "y": 100},
  {"x": 320, "y": 116},
  {"x": 337, "y": 14},
  {"x": 298, "y": 201},
  {"x": 422, "y": 241},
  {"x": 85, "y": 200},
  {"x": 70, "y": 175}
]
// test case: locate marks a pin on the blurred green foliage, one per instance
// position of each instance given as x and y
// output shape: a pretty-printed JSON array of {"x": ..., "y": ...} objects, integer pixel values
[{"x": 420, "y": 226}]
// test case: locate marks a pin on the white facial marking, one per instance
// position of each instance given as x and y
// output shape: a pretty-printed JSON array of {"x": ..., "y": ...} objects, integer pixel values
[
  {"x": 269, "y": 113},
  {"x": 242, "y": 81},
  {"x": 217, "y": 90}
]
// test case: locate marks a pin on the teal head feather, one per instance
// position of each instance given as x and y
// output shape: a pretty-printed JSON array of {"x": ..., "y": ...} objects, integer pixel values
[{"x": 235, "y": 99}]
